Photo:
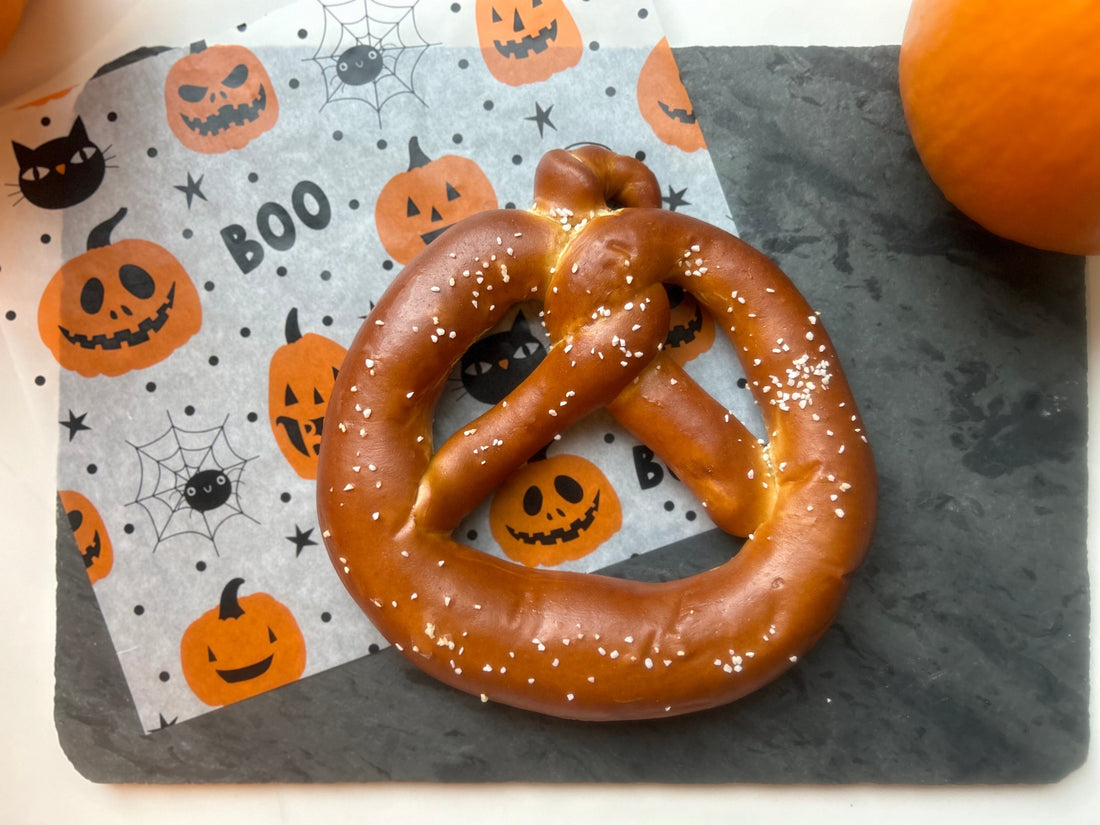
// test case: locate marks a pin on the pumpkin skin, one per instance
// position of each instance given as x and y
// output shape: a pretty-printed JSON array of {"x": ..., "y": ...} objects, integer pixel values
[
  {"x": 301, "y": 375},
  {"x": 664, "y": 102},
  {"x": 90, "y": 533},
  {"x": 690, "y": 327},
  {"x": 245, "y": 646},
  {"x": 555, "y": 510},
  {"x": 417, "y": 206},
  {"x": 526, "y": 41},
  {"x": 1000, "y": 100},
  {"x": 118, "y": 307},
  {"x": 219, "y": 98}
]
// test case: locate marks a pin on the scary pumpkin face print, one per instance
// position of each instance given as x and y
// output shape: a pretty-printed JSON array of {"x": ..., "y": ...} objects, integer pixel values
[
  {"x": 555, "y": 510},
  {"x": 90, "y": 533},
  {"x": 690, "y": 327},
  {"x": 118, "y": 307},
  {"x": 244, "y": 646},
  {"x": 664, "y": 101},
  {"x": 415, "y": 207},
  {"x": 300, "y": 380},
  {"x": 525, "y": 41},
  {"x": 219, "y": 98}
]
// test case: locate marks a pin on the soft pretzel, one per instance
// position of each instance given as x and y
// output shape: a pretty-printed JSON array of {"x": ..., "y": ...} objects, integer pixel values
[{"x": 596, "y": 249}]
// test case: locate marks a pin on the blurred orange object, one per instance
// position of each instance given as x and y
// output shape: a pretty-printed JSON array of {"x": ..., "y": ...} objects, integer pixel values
[
  {"x": 1001, "y": 100},
  {"x": 10, "y": 12}
]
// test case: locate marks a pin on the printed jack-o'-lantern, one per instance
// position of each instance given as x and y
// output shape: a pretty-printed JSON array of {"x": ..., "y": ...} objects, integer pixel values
[
  {"x": 415, "y": 207},
  {"x": 554, "y": 510},
  {"x": 119, "y": 306},
  {"x": 664, "y": 101},
  {"x": 90, "y": 533},
  {"x": 244, "y": 646},
  {"x": 690, "y": 327},
  {"x": 525, "y": 41},
  {"x": 300, "y": 380},
  {"x": 219, "y": 98}
]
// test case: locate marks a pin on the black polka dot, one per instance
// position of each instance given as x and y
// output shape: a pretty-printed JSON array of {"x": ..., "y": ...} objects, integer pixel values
[
  {"x": 381, "y": 144},
  {"x": 608, "y": 438},
  {"x": 10, "y": 314},
  {"x": 112, "y": 116},
  {"x": 488, "y": 105},
  {"x": 92, "y": 469},
  {"x": 643, "y": 13},
  {"x": 609, "y": 91},
  {"x": 253, "y": 177},
  {"x": 45, "y": 238},
  {"x": 40, "y": 380},
  {"x": 302, "y": 34},
  {"x": 471, "y": 535},
  {"x": 337, "y": 135},
  {"x": 690, "y": 515},
  {"x": 245, "y": 332},
  {"x": 372, "y": 648},
  {"x": 594, "y": 45},
  {"x": 151, "y": 151},
  {"x": 284, "y": 498},
  {"x": 200, "y": 566},
  {"x": 669, "y": 506},
  {"x": 326, "y": 275},
  {"x": 742, "y": 382},
  {"x": 457, "y": 137},
  {"x": 214, "y": 360},
  {"x": 45, "y": 121},
  {"x": 510, "y": 205},
  {"x": 252, "y": 417},
  {"x": 456, "y": 7},
  {"x": 242, "y": 27},
  {"x": 151, "y": 386},
  {"x": 164, "y": 676},
  {"x": 208, "y": 286},
  {"x": 327, "y": 320},
  {"x": 639, "y": 155},
  {"x": 128, "y": 529},
  {"x": 326, "y": 617},
  {"x": 189, "y": 410},
  {"x": 294, "y": 84},
  {"x": 387, "y": 265},
  {"x": 464, "y": 63},
  {"x": 353, "y": 204},
  {"x": 138, "y": 609},
  {"x": 517, "y": 160},
  {"x": 281, "y": 271},
  {"x": 188, "y": 234}
]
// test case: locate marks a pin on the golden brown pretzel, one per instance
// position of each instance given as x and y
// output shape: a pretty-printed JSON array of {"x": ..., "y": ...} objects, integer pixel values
[{"x": 596, "y": 250}]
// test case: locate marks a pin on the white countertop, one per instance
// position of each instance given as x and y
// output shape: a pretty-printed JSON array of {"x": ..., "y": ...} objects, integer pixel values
[{"x": 62, "y": 42}]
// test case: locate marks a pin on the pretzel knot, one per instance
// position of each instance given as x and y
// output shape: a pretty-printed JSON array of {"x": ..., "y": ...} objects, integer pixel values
[{"x": 597, "y": 251}]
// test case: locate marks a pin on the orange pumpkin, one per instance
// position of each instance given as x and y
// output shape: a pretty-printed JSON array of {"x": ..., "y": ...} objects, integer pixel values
[
  {"x": 554, "y": 510},
  {"x": 525, "y": 41},
  {"x": 90, "y": 533},
  {"x": 219, "y": 98},
  {"x": 300, "y": 380},
  {"x": 1001, "y": 99},
  {"x": 690, "y": 327},
  {"x": 417, "y": 206},
  {"x": 664, "y": 102},
  {"x": 244, "y": 646},
  {"x": 119, "y": 306}
]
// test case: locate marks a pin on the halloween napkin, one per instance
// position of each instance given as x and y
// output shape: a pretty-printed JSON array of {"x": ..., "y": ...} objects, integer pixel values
[{"x": 191, "y": 239}]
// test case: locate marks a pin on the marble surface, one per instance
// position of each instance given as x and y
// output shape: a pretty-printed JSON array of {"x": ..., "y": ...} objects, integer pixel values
[{"x": 961, "y": 654}]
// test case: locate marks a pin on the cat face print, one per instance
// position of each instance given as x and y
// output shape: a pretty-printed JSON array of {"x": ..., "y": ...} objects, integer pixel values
[
  {"x": 498, "y": 363},
  {"x": 61, "y": 172}
]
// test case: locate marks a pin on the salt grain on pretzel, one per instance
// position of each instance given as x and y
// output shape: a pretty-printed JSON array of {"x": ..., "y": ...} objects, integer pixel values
[{"x": 775, "y": 597}]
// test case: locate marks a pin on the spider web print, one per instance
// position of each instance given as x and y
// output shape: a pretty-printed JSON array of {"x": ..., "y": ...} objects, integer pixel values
[
  {"x": 190, "y": 482},
  {"x": 368, "y": 52}
]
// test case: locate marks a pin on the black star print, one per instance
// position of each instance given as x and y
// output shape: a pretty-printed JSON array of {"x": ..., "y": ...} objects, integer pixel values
[
  {"x": 164, "y": 723},
  {"x": 675, "y": 198},
  {"x": 192, "y": 188},
  {"x": 75, "y": 424},
  {"x": 541, "y": 117},
  {"x": 301, "y": 539}
]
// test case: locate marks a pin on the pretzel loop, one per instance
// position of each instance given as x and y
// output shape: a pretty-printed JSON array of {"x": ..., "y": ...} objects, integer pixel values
[{"x": 598, "y": 254}]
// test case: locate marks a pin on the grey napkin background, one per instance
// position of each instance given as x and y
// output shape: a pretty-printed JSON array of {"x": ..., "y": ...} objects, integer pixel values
[{"x": 961, "y": 653}]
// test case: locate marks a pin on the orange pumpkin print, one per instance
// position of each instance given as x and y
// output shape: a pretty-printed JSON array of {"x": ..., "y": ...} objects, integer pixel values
[
  {"x": 690, "y": 327},
  {"x": 664, "y": 102},
  {"x": 90, "y": 533},
  {"x": 219, "y": 98},
  {"x": 416, "y": 206},
  {"x": 554, "y": 510},
  {"x": 525, "y": 41},
  {"x": 244, "y": 646},
  {"x": 301, "y": 375},
  {"x": 119, "y": 306},
  {"x": 1000, "y": 98}
]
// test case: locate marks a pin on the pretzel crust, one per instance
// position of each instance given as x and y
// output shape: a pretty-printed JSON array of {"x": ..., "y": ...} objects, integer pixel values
[{"x": 595, "y": 249}]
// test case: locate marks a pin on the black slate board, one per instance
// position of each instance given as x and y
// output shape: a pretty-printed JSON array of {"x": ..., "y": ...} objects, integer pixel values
[{"x": 961, "y": 654}]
